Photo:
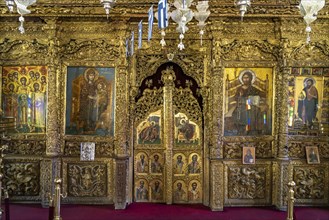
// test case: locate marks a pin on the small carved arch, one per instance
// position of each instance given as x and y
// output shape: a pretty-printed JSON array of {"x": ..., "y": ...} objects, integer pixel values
[
  {"x": 182, "y": 81},
  {"x": 147, "y": 65}
]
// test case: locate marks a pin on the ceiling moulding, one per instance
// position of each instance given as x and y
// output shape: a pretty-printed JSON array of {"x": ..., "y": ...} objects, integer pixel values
[{"x": 137, "y": 9}]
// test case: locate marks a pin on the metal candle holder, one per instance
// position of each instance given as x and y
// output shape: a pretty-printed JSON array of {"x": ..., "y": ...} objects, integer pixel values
[
  {"x": 56, "y": 199},
  {"x": 291, "y": 200}
]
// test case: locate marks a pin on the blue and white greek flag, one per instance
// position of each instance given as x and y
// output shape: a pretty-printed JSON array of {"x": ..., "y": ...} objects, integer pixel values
[
  {"x": 132, "y": 43},
  {"x": 162, "y": 14},
  {"x": 140, "y": 34},
  {"x": 150, "y": 20}
]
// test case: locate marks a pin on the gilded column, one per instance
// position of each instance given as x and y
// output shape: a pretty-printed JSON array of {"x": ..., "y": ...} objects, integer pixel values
[
  {"x": 51, "y": 165},
  {"x": 283, "y": 93},
  {"x": 216, "y": 148},
  {"x": 121, "y": 126},
  {"x": 281, "y": 168},
  {"x": 52, "y": 60},
  {"x": 168, "y": 77},
  {"x": 283, "y": 151},
  {"x": 217, "y": 89}
]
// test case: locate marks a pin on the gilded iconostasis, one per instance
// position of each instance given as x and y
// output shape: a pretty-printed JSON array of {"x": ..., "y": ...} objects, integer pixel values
[{"x": 228, "y": 122}]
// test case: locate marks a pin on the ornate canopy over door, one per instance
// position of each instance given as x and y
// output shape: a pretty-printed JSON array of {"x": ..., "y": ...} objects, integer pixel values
[{"x": 168, "y": 145}]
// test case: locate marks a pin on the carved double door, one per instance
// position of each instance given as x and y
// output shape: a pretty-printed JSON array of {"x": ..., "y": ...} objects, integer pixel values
[{"x": 168, "y": 146}]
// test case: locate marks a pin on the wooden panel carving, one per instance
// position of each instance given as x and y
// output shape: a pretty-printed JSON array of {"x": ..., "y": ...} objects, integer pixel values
[
  {"x": 22, "y": 178},
  {"x": 311, "y": 184},
  {"x": 90, "y": 182},
  {"x": 249, "y": 184},
  {"x": 86, "y": 180}
]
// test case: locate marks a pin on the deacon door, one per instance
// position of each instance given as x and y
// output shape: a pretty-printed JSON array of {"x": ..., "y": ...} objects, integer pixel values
[{"x": 168, "y": 149}]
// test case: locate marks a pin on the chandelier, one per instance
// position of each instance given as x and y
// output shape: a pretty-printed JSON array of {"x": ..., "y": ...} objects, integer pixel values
[
  {"x": 243, "y": 6},
  {"x": 309, "y": 10},
  {"x": 107, "y": 4},
  {"x": 182, "y": 14},
  {"x": 21, "y": 9}
]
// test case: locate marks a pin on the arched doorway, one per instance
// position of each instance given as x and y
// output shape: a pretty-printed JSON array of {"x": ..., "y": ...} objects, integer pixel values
[{"x": 168, "y": 138}]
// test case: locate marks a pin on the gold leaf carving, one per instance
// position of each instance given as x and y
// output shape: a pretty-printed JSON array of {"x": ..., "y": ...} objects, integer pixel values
[
  {"x": 86, "y": 180},
  {"x": 22, "y": 178},
  {"x": 310, "y": 183},
  {"x": 246, "y": 182}
]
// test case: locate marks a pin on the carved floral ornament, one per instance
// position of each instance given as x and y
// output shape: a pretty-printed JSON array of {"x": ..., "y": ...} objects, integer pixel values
[
  {"x": 184, "y": 11},
  {"x": 168, "y": 76}
]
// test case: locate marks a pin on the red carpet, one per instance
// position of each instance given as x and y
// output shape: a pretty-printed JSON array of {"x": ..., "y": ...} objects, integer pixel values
[{"x": 149, "y": 211}]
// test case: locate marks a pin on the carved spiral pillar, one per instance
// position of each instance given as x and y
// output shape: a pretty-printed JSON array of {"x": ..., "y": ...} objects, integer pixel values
[
  {"x": 281, "y": 168},
  {"x": 121, "y": 145},
  {"x": 217, "y": 111},
  {"x": 216, "y": 151},
  {"x": 122, "y": 97},
  {"x": 168, "y": 77},
  {"x": 121, "y": 126},
  {"x": 121, "y": 107},
  {"x": 217, "y": 83},
  {"x": 283, "y": 117},
  {"x": 53, "y": 137},
  {"x": 51, "y": 167}
]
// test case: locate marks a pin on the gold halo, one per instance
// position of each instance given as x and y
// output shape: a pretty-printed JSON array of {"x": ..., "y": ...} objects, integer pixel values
[
  {"x": 11, "y": 83},
  {"x": 306, "y": 79},
  {"x": 21, "y": 77},
  {"x": 243, "y": 72},
  {"x": 91, "y": 69},
  {"x": 38, "y": 84}
]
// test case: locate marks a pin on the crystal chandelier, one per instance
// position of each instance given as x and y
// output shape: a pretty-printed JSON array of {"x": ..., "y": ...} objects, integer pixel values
[
  {"x": 108, "y": 4},
  {"x": 309, "y": 10},
  {"x": 243, "y": 6},
  {"x": 21, "y": 9},
  {"x": 182, "y": 14}
]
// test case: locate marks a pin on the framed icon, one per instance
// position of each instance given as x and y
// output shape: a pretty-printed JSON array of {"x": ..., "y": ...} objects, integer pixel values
[
  {"x": 24, "y": 98},
  {"x": 90, "y": 95},
  {"x": 248, "y": 101},
  {"x": 312, "y": 155},
  {"x": 248, "y": 155},
  {"x": 141, "y": 191},
  {"x": 87, "y": 151}
]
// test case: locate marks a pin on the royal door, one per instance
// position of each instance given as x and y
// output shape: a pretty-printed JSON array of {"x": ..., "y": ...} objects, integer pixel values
[{"x": 168, "y": 143}]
